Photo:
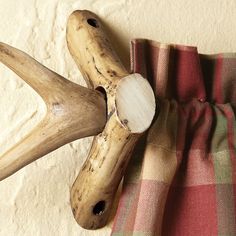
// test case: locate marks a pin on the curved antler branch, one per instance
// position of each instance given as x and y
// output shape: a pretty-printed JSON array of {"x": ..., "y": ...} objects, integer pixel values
[
  {"x": 73, "y": 111},
  {"x": 130, "y": 108}
]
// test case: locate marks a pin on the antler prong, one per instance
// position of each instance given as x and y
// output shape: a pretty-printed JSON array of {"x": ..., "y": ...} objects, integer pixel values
[{"x": 73, "y": 111}]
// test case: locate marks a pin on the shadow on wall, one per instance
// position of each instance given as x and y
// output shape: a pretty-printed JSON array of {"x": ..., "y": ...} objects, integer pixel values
[{"x": 120, "y": 47}]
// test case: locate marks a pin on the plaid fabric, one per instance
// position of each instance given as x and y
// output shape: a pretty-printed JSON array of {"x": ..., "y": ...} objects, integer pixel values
[{"x": 182, "y": 176}]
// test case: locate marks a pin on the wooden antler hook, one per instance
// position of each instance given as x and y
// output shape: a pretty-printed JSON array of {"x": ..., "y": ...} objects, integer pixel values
[{"x": 130, "y": 110}]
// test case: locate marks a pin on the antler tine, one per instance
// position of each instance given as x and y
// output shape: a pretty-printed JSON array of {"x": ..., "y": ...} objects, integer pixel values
[
  {"x": 71, "y": 111},
  {"x": 33, "y": 73}
]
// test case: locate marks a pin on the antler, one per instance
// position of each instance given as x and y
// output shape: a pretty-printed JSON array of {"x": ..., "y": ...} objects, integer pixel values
[
  {"x": 130, "y": 110},
  {"x": 73, "y": 111}
]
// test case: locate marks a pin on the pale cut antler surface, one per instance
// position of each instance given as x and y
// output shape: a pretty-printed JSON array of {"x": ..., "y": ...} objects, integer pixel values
[
  {"x": 130, "y": 110},
  {"x": 73, "y": 111}
]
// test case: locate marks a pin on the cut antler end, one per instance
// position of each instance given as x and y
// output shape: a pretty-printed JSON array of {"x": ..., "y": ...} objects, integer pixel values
[{"x": 135, "y": 103}]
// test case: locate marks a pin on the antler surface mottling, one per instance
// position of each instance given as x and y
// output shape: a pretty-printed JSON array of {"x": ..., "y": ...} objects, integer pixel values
[{"x": 73, "y": 111}]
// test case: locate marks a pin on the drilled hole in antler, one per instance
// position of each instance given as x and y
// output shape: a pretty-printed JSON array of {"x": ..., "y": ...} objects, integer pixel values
[
  {"x": 93, "y": 22},
  {"x": 99, "y": 208}
]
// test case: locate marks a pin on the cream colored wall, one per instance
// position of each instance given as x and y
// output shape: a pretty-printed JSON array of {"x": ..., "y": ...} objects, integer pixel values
[{"x": 35, "y": 201}]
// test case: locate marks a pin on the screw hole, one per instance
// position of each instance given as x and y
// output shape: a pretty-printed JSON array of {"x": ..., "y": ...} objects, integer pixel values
[
  {"x": 93, "y": 22},
  {"x": 99, "y": 208}
]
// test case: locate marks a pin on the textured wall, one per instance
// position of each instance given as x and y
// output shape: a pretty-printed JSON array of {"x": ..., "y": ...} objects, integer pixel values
[{"x": 35, "y": 201}]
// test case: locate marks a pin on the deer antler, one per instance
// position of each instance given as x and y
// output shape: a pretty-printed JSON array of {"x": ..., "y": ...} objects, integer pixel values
[
  {"x": 130, "y": 109},
  {"x": 73, "y": 111}
]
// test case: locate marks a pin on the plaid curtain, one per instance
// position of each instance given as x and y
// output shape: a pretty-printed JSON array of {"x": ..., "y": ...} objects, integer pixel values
[{"x": 181, "y": 179}]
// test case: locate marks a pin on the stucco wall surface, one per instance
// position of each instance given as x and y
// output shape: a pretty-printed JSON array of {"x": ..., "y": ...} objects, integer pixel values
[{"x": 35, "y": 201}]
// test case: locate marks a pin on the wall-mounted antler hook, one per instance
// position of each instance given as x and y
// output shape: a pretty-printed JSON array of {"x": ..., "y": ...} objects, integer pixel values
[{"x": 127, "y": 103}]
